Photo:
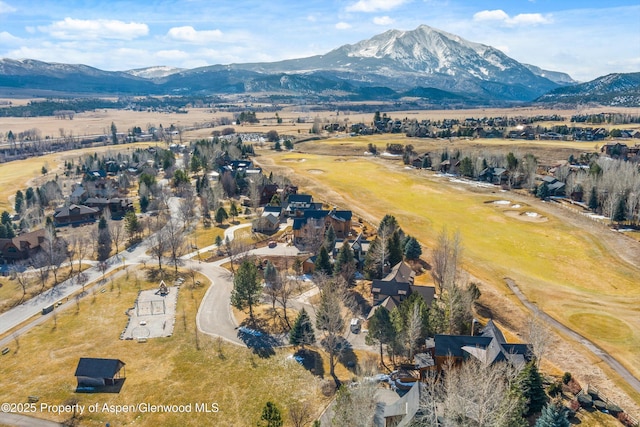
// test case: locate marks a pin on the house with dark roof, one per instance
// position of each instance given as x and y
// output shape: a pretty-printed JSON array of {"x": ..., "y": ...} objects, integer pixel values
[
  {"x": 74, "y": 215},
  {"x": 297, "y": 204},
  {"x": 359, "y": 246},
  {"x": 269, "y": 220},
  {"x": 555, "y": 187},
  {"x": 95, "y": 373},
  {"x": 118, "y": 207},
  {"x": 320, "y": 220},
  {"x": 22, "y": 246},
  {"x": 397, "y": 286},
  {"x": 494, "y": 175},
  {"x": 488, "y": 347}
]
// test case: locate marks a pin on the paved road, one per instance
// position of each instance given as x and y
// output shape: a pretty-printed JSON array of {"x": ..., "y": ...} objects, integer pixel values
[
  {"x": 593, "y": 348},
  {"x": 18, "y": 420},
  {"x": 214, "y": 314}
]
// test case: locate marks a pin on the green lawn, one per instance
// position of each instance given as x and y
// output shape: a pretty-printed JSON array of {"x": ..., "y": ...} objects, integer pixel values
[{"x": 565, "y": 270}]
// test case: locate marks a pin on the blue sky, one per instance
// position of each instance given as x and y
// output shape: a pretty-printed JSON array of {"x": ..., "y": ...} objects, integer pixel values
[{"x": 585, "y": 38}]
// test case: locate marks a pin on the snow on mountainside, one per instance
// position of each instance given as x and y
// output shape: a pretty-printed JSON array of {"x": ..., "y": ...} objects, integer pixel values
[
  {"x": 618, "y": 89},
  {"x": 554, "y": 76},
  {"x": 154, "y": 72},
  {"x": 390, "y": 63}
]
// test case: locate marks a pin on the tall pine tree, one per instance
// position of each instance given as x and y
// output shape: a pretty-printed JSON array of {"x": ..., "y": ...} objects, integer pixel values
[
  {"x": 323, "y": 264},
  {"x": 302, "y": 332},
  {"x": 532, "y": 389}
]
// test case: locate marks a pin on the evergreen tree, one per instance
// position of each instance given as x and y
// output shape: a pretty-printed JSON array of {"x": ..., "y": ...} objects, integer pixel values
[
  {"x": 104, "y": 240},
  {"x": 270, "y": 274},
  {"x": 323, "y": 264},
  {"x": 394, "y": 247},
  {"x": 344, "y": 258},
  {"x": 246, "y": 287},
  {"x": 620, "y": 213},
  {"x": 271, "y": 416},
  {"x": 221, "y": 215},
  {"x": 466, "y": 167},
  {"x": 144, "y": 203},
  {"x": 302, "y": 332},
  {"x": 381, "y": 330},
  {"x": 530, "y": 384},
  {"x": 19, "y": 200},
  {"x": 553, "y": 414},
  {"x": 6, "y": 218},
  {"x": 233, "y": 210},
  {"x": 412, "y": 249},
  {"x": 329, "y": 238},
  {"x": 593, "y": 199},
  {"x": 3, "y": 231},
  {"x": 543, "y": 191}
]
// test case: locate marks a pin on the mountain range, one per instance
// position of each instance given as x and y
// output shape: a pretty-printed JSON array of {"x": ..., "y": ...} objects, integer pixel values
[{"x": 426, "y": 63}]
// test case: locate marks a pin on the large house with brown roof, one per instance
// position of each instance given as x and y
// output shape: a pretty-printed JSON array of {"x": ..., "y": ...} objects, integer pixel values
[
  {"x": 20, "y": 247},
  {"x": 74, "y": 215}
]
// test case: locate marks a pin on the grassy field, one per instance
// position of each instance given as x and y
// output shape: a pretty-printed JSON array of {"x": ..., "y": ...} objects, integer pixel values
[
  {"x": 17, "y": 175},
  {"x": 161, "y": 371},
  {"x": 565, "y": 270}
]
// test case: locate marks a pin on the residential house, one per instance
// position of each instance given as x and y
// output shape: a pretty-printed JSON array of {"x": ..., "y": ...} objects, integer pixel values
[
  {"x": 555, "y": 187},
  {"x": 297, "y": 204},
  {"x": 397, "y": 286},
  {"x": 488, "y": 347},
  {"x": 494, "y": 175},
  {"x": 74, "y": 215},
  {"x": 615, "y": 150},
  {"x": 22, "y": 246},
  {"x": 359, "y": 246},
  {"x": 117, "y": 206},
  {"x": 320, "y": 220},
  {"x": 269, "y": 220}
]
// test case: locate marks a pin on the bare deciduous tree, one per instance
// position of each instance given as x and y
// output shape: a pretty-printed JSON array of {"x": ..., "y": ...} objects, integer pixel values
[
  {"x": 538, "y": 336},
  {"x": 446, "y": 259}
]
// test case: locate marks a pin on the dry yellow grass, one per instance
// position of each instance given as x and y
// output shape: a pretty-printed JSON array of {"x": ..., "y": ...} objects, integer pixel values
[
  {"x": 161, "y": 371},
  {"x": 564, "y": 269}
]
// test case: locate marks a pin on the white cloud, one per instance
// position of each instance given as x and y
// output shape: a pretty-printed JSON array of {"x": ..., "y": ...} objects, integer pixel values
[
  {"x": 343, "y": 26},
  {"x": 374, "y": 5},
  {"x": 191, "y": 35},
  {"x": 6, "y": 8},
  {"x": 84, "y": 29},
  {"x": 520, "y": 19},
  {"x": 8, "y": 38},
  {"x": 311, "y": 18},
  {"x": 383, "y": 20}
]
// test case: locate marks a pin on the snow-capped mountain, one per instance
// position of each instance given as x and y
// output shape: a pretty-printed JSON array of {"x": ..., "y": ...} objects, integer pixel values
[
  {"x": 387, "y": 66},
  {"x": 154, "y": 72},
  {"x": 613, "y": 89}
]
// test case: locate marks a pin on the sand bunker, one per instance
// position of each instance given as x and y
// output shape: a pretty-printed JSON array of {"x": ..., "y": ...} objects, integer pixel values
[
  {"x": 501, "y": 202},
  {"x": 526, "y": 216},
  {"x": 316, "y": 171},
  {"x": 294, "y": 160}
]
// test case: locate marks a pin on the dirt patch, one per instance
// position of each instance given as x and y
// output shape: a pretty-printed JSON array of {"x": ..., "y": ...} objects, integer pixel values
[{"x": 528, "y": 216}]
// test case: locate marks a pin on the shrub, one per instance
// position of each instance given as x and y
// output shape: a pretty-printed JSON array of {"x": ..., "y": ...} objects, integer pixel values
[
  {"x": 328, "y": 387},
  {"x": 566, "y": 378},
  {"x": 554, "y": 389}
]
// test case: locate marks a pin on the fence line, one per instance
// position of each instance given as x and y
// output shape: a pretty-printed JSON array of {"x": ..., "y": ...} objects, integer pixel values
[{"x": 605, "y": 399}]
